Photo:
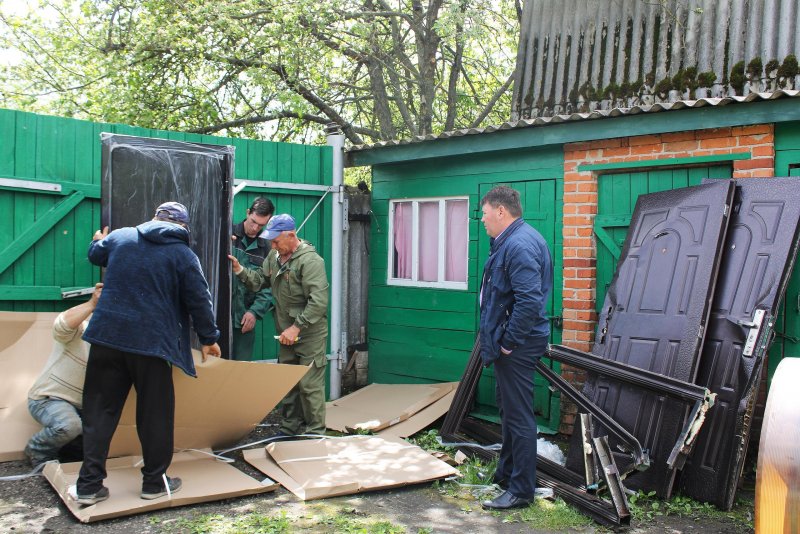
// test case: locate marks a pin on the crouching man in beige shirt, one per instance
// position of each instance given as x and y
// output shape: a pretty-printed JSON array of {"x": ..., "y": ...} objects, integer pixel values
[{"x": 56, "y": 398}]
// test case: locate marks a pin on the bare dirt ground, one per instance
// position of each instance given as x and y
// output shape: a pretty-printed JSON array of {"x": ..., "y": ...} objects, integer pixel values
[{"x": 31, "y": 505}]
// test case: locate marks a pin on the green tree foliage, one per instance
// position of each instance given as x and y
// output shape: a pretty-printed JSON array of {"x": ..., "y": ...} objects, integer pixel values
[{"x": 380, "y": 69}]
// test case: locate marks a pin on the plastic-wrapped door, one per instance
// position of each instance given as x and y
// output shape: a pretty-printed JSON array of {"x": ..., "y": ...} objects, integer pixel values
[{"x": 139, "y": 173}]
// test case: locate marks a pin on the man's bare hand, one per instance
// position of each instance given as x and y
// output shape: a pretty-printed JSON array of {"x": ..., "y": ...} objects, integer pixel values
[
  {"x": 98, "y": 289},
  {"x": 235, "y": 265},
  {"x": 210, "y": 350},
  {"x": 248, "y": 322},
  {"x": 290, "y": 336},
  {"x": 100, "y": 234}
]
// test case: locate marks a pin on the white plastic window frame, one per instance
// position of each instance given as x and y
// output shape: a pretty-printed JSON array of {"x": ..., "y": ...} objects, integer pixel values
[{"x": 441, "y": 283}]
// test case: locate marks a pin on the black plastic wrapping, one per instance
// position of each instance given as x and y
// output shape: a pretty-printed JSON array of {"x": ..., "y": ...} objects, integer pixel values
[{"x": 139, "y": 173}]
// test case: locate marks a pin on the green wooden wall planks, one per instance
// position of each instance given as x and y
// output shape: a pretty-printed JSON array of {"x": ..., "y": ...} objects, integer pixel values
[{"x": 422, "y": 334}]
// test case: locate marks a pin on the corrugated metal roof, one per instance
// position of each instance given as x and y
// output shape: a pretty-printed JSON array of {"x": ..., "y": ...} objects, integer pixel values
[
  {"x": 573, "y": 53},
  {"x": 592, "y": 115}
]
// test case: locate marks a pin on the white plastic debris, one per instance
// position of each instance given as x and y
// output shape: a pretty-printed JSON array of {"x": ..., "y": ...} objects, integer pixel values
[{"x": 550, "y": 451}]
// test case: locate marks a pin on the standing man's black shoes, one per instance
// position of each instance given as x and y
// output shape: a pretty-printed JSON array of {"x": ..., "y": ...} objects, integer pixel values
[{"x": 506, "y": 501}]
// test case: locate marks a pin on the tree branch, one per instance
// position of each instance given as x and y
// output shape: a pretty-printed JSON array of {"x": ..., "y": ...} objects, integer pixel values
[{"x": 492, "y": 101}]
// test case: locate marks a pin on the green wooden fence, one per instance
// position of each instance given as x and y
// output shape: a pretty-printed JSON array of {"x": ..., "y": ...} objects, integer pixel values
[{"x": 50, "y": 202}]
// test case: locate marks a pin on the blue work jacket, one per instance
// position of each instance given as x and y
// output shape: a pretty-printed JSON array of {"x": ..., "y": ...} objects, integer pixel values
[
  {"x": 516, "y": 286},
  {"x": 152, "y": 285}
]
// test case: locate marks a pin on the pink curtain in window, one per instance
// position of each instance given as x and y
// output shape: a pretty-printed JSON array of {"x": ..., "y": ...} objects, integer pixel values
[
  {"x": 428, "y": 241},
  {"x": 402, "y": 240},
  {"x": 457, "y": 229}
]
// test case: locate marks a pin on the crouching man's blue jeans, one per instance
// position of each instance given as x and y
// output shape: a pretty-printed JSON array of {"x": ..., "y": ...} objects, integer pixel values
[{"x": 61, "y": 423}]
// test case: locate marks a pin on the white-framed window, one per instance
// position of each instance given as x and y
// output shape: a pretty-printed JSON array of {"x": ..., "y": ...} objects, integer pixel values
[{"x": 429, "y": 242}]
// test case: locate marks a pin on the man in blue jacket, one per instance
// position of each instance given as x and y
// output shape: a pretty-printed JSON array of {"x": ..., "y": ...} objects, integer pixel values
[
  {"x": 514, "y": 332},
  {"x": 153, "y": 285}
]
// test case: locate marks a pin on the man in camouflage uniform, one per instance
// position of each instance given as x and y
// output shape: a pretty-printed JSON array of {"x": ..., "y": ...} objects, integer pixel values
[
  {"x": 251, "y": 250},
  {"x": 296, "y": 274}
]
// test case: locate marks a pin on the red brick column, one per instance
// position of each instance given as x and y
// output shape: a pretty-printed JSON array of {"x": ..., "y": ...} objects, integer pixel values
[{"x": 580, "y": 208}]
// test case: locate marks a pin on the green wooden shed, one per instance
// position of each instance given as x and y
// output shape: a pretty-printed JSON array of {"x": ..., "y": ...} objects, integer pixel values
[{"x": 579, "y": 176}]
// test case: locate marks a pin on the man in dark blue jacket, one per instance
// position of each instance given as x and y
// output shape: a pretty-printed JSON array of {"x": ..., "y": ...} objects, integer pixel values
[
  {"x": 514, "y": 332},
  {"x": 153, "y": 285}
]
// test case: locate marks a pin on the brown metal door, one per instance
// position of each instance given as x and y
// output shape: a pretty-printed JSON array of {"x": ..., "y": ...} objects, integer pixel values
[
  {"x": 655, "y": 311},
  {"x": 756, "y": 265}
]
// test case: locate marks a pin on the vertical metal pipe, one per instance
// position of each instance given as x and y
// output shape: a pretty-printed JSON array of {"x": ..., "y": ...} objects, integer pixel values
[{"x": 335, "y": 139}]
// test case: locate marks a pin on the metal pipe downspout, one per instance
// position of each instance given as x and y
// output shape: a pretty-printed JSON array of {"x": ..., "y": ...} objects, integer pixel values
[{"x": 335, "y": 139}]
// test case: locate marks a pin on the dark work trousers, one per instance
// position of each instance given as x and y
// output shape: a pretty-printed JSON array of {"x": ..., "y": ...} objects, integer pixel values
[
  {"x": 109, "y": 376},
  {"x": 514, "y": 376}
]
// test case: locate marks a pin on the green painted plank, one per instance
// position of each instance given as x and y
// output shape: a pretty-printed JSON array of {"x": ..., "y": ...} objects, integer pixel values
[
  {"x": 16, "y": 292},
  {"x": 445, "y": 320},
  {"x": 422, "y": 298},
  {"x": 445, "y": 339},
  {"x": 284, "y": 163},
  {"x": 313, "y": 174},
  {"x": 326, "y": 165},
  {"x": 255, "y": 162},
  {"x": 241, "y": 159},
  {"x": 539, "y": 162},
  {"x": 56, "y": 148},
  {"x": 7, "y": 204},
  {"x": 298, "y": 157},
  {"x": 270, "y": 160},
  {"x": 433, "y": 186},
  {"x": 787, "y": 136},
  {"x": 8, "y": 124},
  {"x": 44, "y": 250},
  {"x": 413, "y": 359},
  {"x": 35, "y": 231}
]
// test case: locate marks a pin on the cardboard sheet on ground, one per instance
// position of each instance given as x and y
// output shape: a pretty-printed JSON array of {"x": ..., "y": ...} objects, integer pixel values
[
  {"x": 26, "y": 340},
  {"x": 315, "y": 469},
  {"x": 421, "y": 419},
  {"x": 219, "y": 407},
  {"x": 204, "y": 479},
  {"x": 379, "y": 406}
]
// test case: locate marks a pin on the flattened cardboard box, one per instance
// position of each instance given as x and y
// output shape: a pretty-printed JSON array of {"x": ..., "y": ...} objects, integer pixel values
[
  {"x": 328, "y": 467},
  {"x": 215, "y": 410},
  {"x": 204, "y": 479},
  {"x": 26, "y": 341},
  {"x": 380, "y": 406},
  {"x": 219, "y": 407}
]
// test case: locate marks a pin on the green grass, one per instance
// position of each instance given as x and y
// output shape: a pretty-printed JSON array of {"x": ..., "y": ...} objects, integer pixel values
[
  {"x": 321, "y": 519},
  {"x": 219, "y": 524},
  {"x": 549, "y": 515},
  {"x": 645, "y": 507}
]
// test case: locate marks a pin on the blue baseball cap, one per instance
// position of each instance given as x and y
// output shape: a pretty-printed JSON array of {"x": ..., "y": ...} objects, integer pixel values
[
  {"x": 173, "y": 211},
  {"x": 279, "y": 223}
]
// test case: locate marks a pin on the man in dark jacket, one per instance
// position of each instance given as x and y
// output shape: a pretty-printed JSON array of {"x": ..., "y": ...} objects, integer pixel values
[
  {"x": 251, "y": 250},
  {"x": 514, "y": 331},
  {"x": 153, "y": 285}
]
